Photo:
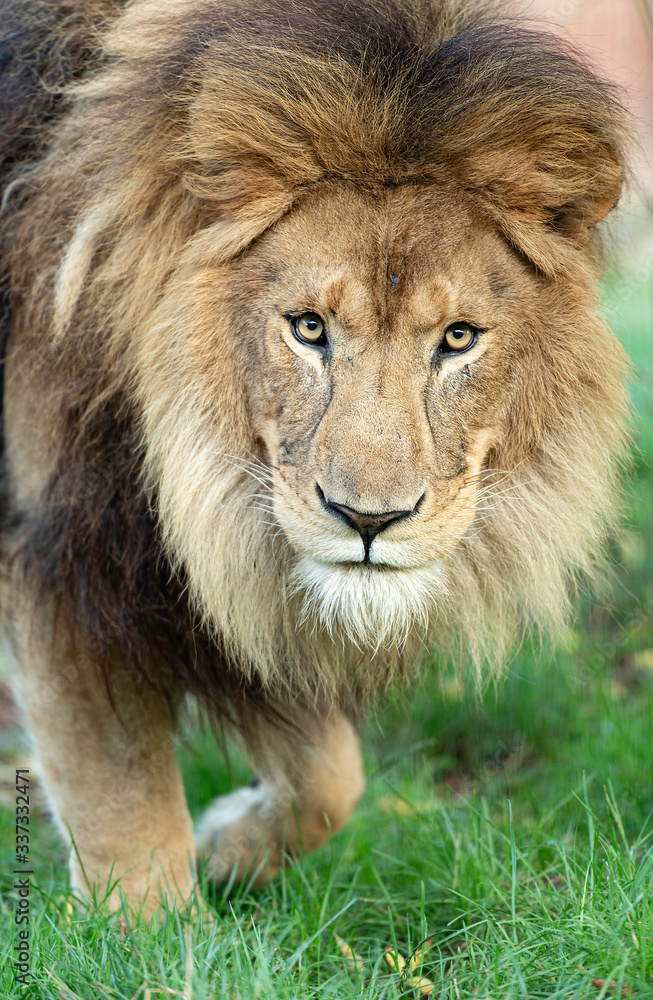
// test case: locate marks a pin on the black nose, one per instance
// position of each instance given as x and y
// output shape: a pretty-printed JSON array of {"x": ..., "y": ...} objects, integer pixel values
[{"x": 368, "y": 526}]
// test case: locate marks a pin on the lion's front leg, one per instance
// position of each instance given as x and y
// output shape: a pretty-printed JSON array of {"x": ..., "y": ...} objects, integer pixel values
[
  {"x": 293, "y": 809},
  {"x": 111, "y": 777}
]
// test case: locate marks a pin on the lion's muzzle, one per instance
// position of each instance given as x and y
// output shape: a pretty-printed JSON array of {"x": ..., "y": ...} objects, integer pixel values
[{"x": 367, "y": 524}]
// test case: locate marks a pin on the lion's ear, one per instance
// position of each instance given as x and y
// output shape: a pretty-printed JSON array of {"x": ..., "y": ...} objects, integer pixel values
[
  {"x": 603, "y": 179},
  {"x": 548, "y": 204},
  {"x": 241, "y": 217}
]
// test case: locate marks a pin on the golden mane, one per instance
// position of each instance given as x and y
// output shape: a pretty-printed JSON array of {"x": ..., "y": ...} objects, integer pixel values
[{"x": 202, "y": 124}]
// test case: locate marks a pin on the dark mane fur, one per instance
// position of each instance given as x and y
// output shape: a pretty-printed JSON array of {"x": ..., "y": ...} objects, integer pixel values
[{"x": 43, "y": 48}]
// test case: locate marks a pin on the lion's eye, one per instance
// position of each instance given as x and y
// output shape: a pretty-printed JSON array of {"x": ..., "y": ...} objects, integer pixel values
[
  {"x": 309, "y": 329},
  {"x": 458, "y": 337}
]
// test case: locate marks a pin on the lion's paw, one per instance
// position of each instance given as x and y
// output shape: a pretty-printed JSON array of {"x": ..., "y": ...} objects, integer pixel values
[{"x": 234, "y": 832}]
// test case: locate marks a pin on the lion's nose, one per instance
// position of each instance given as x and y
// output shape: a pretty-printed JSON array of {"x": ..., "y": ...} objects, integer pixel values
[{"x": 368, "y": 525}]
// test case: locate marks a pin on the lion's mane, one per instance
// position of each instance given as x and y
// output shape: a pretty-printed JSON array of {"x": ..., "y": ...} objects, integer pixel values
[{"x": 199, "y": 118}]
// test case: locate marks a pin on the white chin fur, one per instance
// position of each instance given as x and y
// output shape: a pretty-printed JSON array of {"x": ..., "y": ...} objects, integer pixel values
[{"x": 374, "y": 608}]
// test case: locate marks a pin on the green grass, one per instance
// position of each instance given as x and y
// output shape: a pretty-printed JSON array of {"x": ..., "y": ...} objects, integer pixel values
[{"x": 515, "y": 832}]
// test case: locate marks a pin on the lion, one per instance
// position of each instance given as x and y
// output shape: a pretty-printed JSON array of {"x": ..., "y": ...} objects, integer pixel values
[{"x": 304, "y": 377}]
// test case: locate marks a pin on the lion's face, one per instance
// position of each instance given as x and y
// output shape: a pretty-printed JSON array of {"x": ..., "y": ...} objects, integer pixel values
[
  {"x": 378, "y": 417},
  {"x": 377, "y": 427}
]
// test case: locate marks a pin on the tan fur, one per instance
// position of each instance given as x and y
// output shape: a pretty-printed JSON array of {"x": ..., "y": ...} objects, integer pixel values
[
  {"x": 296, "y": 808},
  {"x": 110, "y": 776},
  {"x": 174, "y": 452}
]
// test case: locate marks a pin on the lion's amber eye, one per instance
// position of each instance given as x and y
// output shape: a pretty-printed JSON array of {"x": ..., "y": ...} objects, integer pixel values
[
  {"x": 458, "y": 337},
  {"x": 309, "y": 329}
]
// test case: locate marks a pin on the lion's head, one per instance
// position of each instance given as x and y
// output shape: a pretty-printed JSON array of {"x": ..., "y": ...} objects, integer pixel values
[{"x": 342, "y": 261}]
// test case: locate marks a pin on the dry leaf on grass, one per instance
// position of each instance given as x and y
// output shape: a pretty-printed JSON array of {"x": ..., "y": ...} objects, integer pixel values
[
  {"x": 354, "y": 961},
  {"x": 601, "y": 984},
  {"x": 398, "y": 963}
]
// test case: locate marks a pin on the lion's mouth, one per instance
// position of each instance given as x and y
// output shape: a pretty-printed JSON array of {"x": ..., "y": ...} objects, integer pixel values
[{"x": 363, "y": 566}]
